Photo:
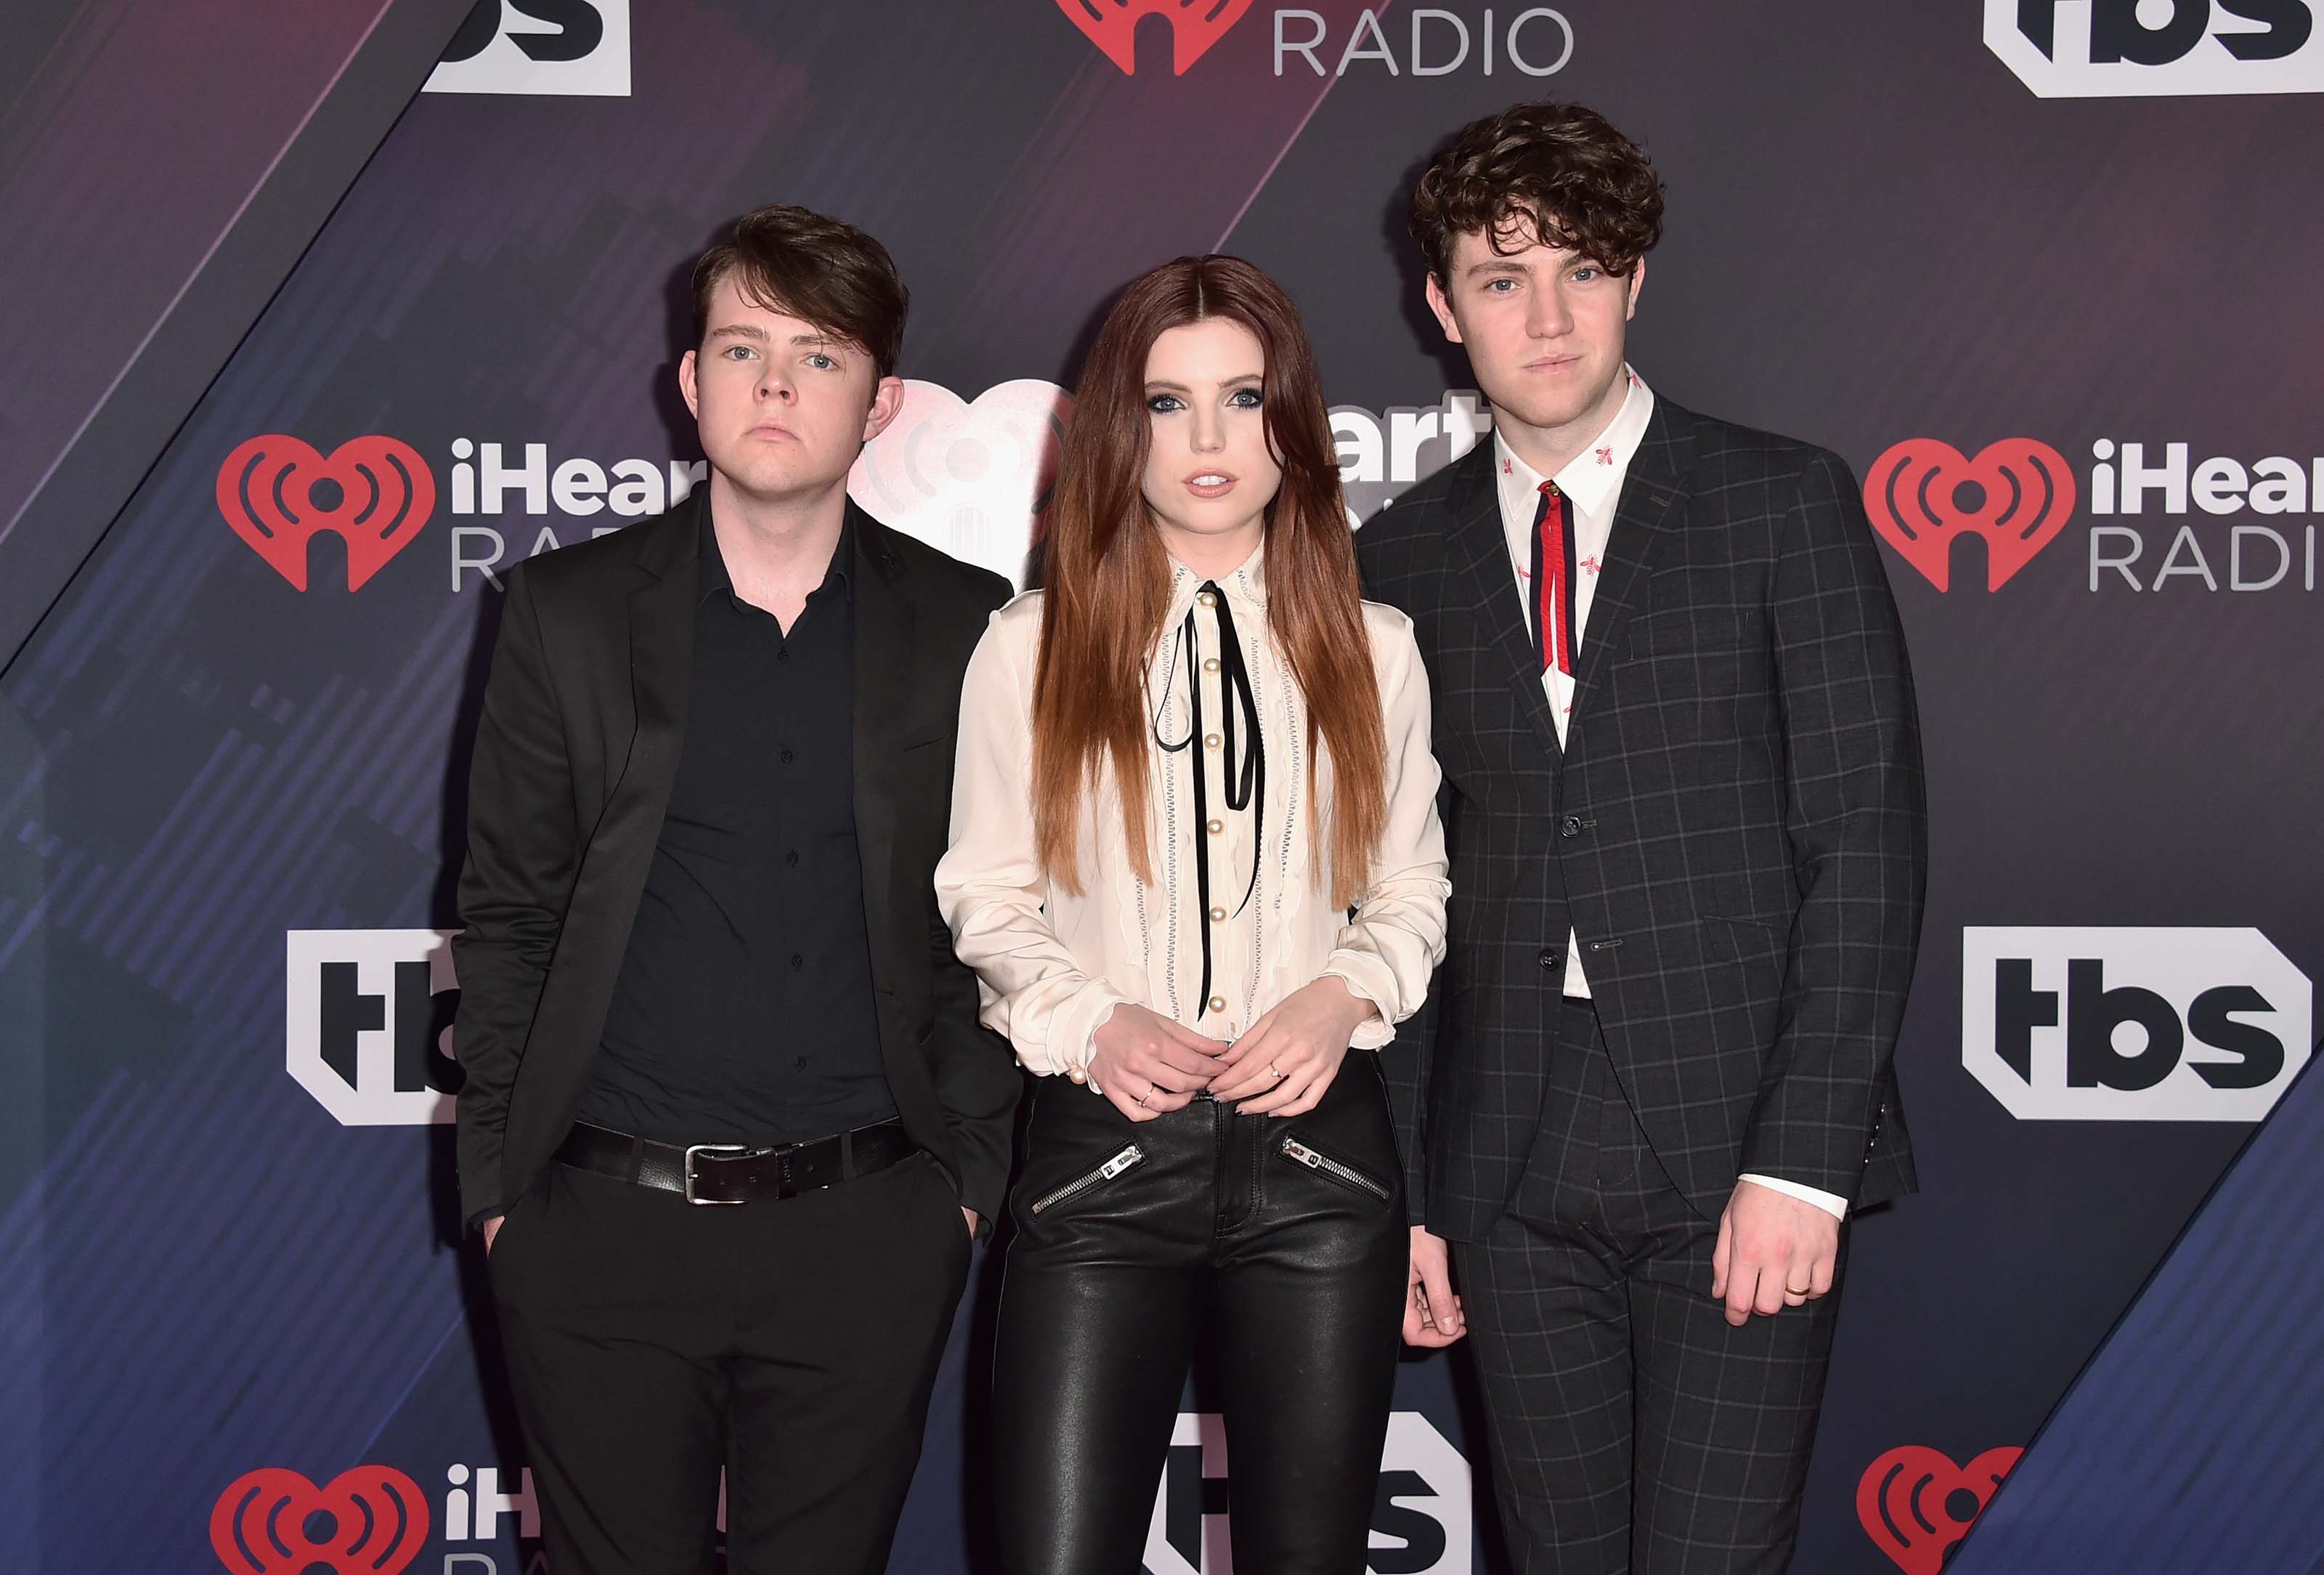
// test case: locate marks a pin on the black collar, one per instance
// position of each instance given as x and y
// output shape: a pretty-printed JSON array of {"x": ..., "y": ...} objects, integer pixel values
[{"x": 711, "y": 576}]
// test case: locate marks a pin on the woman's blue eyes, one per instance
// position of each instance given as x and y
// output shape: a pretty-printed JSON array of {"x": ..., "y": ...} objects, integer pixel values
[{"x": 1240, "y": 399}]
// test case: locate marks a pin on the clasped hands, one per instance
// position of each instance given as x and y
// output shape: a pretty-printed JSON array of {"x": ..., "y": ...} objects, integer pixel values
[{"x": 1146, "y": 1064}]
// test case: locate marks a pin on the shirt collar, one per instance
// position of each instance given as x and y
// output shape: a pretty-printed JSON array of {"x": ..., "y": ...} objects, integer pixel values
[
  {"x": 1245, "y": 585},
  {"x": 712, "y": 577},
  {"x": 1594, "y": 476}
]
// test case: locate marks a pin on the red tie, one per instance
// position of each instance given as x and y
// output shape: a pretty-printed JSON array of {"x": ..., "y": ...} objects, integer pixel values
[{"x": 1553, "y": 582}]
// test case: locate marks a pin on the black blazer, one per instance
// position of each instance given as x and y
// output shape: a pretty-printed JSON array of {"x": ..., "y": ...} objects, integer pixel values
[
  {"x": 1735, "y": 829},
  {"x": 584, "y": 717}
]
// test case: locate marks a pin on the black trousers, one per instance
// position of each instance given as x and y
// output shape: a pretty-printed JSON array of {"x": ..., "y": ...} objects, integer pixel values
[
  {"x": 1632, "y": 1428},
  {"x": 1138, "y": 1240},
  {"x": 791, "y": 1343}
]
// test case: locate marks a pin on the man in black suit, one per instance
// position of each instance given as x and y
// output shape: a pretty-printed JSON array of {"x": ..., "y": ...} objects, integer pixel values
[
  {"x": 1683, "y": 796},
  {"x": 703, "y": 965}
]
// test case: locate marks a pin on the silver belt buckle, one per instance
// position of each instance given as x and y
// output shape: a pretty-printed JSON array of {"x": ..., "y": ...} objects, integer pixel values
[{"x": 717, "y": 1148}]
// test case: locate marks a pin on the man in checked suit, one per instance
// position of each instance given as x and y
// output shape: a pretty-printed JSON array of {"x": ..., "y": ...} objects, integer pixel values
[{"x": 1683, "y": 796}]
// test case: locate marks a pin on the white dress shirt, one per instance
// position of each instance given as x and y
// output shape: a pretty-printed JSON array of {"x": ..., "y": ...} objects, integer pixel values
[
  {"x": 1592, "y": 485},
  {"x": 1052, "y": 966}
]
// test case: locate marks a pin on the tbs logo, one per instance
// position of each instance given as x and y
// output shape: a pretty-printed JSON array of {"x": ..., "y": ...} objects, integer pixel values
[
  {"x": 1420, "y": 1518},
  {"x": 2111, "y": 49},
  {"x": 2132, "y": 1025},
  {"x": 369, "y": 1023},
  {"x": 576, "y": 48}
]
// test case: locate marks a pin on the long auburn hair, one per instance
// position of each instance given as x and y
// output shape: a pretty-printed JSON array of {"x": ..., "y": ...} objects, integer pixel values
[{"x": 1107, "y": 580}]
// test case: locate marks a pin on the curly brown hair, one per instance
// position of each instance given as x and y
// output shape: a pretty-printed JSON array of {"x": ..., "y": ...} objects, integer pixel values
[{"x": 1555, "y": 173}]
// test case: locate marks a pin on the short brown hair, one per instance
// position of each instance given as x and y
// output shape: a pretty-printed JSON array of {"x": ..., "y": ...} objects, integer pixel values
[
  {"x": 1555, "y": 173},
  {"x": 829, "y": 273}
]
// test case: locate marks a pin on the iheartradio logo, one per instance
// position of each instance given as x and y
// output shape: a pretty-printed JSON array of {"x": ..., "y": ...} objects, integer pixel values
[
  {"x": 969, "y": 479},
  {"x": 1916, "y": 1505},
  {"x": 370, "y": 1521},
  {"x": 1195, "y": 26},
  {"x": 373, "y": 493},
  {"x": 1923, "y": 496}
]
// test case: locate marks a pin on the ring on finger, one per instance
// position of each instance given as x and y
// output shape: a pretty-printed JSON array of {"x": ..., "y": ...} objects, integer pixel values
[
  {"x": 1141, "y": 1099},
  {"x": 1795, "y": 1290}
]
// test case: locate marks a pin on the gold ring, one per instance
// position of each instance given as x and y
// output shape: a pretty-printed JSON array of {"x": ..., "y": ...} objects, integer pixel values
[
  {"x": 1275, "y": 1070},
  {"x": 1795, "y": 1290},
  {"x": 1141, "y": 1099}
]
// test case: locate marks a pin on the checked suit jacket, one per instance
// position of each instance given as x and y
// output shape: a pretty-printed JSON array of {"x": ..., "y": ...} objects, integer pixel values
[{"x": 1734, "y": 829}]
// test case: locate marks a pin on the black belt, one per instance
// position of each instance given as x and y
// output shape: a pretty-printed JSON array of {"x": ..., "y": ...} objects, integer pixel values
[{"x": 736, "y": 1173}]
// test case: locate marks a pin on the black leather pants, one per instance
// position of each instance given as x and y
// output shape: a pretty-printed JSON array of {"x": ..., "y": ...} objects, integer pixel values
[{"x": 1280, "y": 1245}]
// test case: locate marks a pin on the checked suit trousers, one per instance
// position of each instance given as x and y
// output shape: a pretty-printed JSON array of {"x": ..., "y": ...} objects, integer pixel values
[{"x": 1633, "y": 1430}]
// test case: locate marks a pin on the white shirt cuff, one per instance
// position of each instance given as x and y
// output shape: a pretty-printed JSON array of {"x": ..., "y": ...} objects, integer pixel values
[
  {"x": 1072, "y": 1028},
  {"x": 1831, "y": 1203},
  {"x": 1368, "y": 978}
]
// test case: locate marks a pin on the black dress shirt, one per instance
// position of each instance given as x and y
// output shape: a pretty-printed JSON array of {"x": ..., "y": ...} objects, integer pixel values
[{"x": 744, "y": 1010}]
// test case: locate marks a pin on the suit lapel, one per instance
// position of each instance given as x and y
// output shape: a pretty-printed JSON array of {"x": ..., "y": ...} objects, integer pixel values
[
  {"x": 662, "y": 654},
  {"x": 1649, "y": 513},
  {"x": 886, "y": 659},
  {"x": 1477, "y": 553}
]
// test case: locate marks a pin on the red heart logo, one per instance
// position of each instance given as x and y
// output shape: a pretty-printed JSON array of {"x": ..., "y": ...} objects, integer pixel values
[
  {"x": 1195, "y": 26},
  {"x": 370, "y": 1521},
  {"x": 2017, "y": 494},
  {"x": 374, "y": 492},
  {"x": 1908, "y": 1500}
]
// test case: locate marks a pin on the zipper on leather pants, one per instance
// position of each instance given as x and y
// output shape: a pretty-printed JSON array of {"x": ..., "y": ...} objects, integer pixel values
[
  {"x": 1300, "y": 1153},
  {"x": 1129, "y": 1158}
]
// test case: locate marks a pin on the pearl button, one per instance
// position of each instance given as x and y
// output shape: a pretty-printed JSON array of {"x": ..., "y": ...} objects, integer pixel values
[
  {"x": 1206, "y": 599},
  {"x": 1218, "y": 916},
  {"x": 1209, "y": 740},
  {"x": 1210, "y": 664},
  {"x": 1217, "y": 827},
  {"x": 1075, "y": 1075},
  {"x": 1218, "y": 1003}
]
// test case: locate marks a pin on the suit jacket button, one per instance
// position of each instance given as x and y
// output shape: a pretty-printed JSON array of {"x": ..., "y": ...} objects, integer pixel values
[
  {"x": 1570, "y": 826},
  {"x": 1550, "y": 959}
]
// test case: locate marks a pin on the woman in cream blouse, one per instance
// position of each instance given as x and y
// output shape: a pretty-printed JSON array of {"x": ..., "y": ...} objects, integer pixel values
[{"x": 1196, "y": 863}]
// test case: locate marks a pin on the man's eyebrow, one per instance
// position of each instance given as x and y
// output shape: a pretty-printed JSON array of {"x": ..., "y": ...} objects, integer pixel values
[
  {"x": 815, "y": 338},
  {"x": 1498, "y": 264},
  {"x": 740, "y": 330}
]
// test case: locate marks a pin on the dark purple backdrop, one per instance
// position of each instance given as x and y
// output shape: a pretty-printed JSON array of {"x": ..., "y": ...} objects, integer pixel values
[{"x": 1878, "y": 233}]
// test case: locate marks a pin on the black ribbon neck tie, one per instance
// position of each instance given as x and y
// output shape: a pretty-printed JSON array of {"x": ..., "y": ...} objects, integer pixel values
[{"x": 1242, "y": 760}]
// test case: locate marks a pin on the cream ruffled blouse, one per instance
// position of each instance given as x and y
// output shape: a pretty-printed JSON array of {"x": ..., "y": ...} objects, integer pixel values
[{"x": 1234, "y": 922}]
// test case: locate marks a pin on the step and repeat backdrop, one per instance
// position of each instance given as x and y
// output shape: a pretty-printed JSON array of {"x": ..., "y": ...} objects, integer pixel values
[{"x": 2042, "y": 270}]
